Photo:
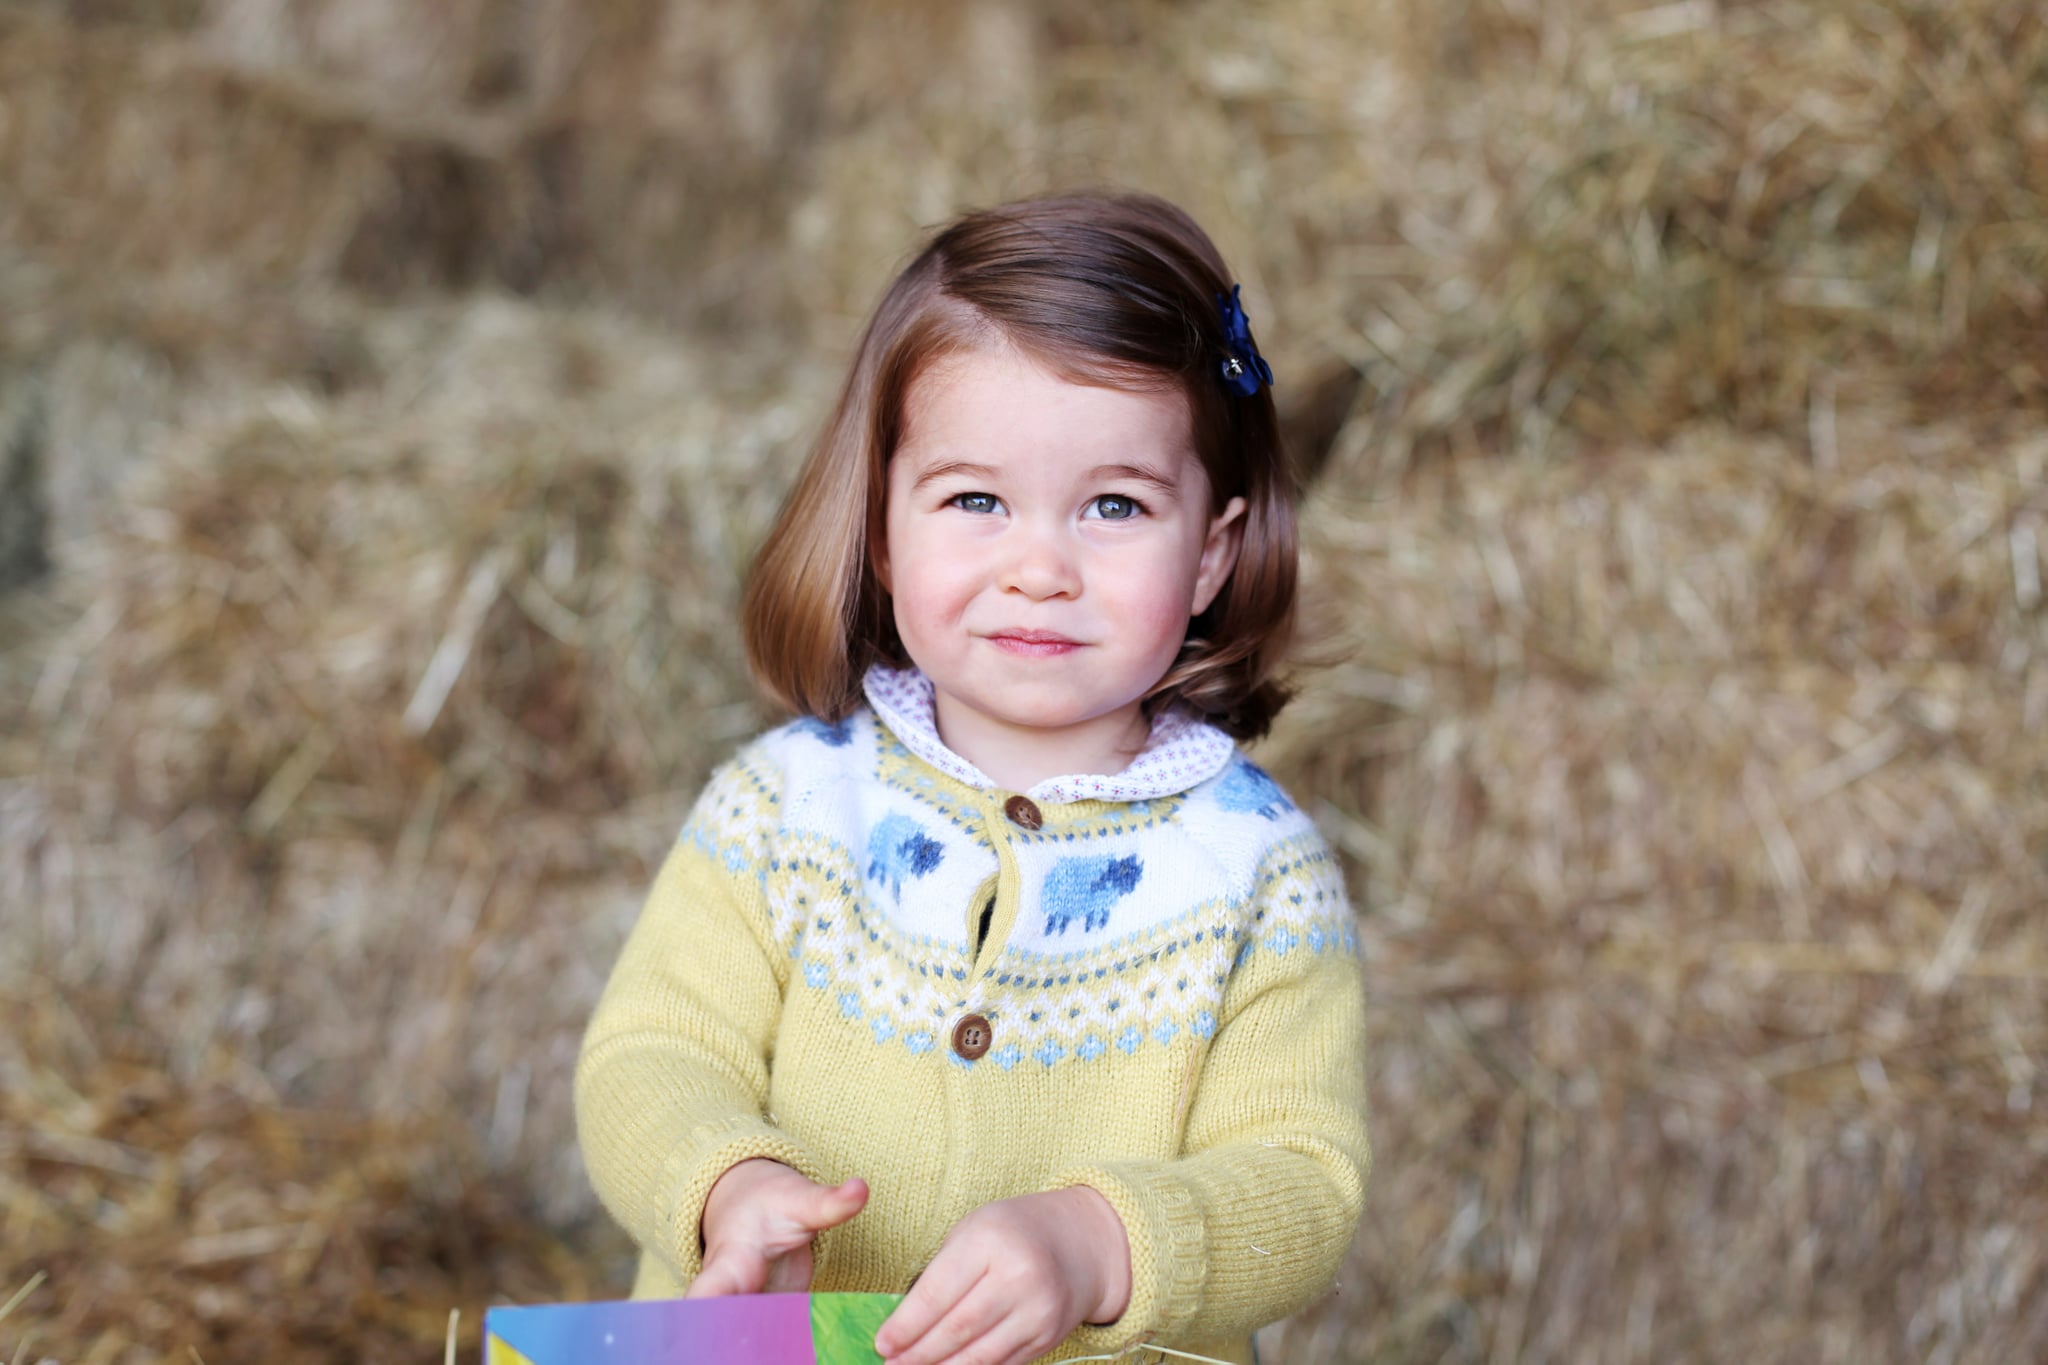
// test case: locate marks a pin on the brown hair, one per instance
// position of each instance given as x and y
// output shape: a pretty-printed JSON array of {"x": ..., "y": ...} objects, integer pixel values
[{"x": 1114, "y": 290}]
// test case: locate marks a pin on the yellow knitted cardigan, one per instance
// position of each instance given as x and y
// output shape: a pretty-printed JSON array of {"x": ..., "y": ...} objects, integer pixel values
[{"x": 1172, "y": 1005}]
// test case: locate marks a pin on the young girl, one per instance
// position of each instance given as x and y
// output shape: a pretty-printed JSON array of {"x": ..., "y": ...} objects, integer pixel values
[{"x": 1000, "y": 976}]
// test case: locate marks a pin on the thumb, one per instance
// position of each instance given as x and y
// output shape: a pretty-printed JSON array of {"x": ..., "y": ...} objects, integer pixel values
[{"x": 829, "y": 1206}]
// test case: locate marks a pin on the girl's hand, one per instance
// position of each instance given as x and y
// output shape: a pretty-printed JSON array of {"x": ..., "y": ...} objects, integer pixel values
[
  {"x": 1013, "y": 1278},
  {"x": 758, "y": 1224}
]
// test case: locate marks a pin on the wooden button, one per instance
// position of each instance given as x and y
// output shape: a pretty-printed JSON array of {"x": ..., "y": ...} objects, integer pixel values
[
  {"x": 1023, "y": 813},
  {"x": 971, "y": 1037}
]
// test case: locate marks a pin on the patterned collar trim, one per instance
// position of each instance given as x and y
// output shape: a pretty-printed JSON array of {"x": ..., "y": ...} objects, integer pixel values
[{"x": 1182, "y": 752}]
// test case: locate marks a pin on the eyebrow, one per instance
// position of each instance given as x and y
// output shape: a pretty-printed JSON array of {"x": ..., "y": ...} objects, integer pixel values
[
  {"x": 950, "y": 469},
  {"x": 1136, "y": 473}
]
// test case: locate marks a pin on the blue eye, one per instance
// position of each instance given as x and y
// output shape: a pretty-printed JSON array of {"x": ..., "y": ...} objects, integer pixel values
[
  {"x": 976, "y": 502},
  {"x": 1111, "y": 507}
]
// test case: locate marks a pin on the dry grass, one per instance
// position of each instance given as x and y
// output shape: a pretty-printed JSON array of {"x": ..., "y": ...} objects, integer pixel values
[
  {"x": 1676, "y": 561},
  {"x": 192, "y": 1211},
  {"x": 377, "y": 707},
  {"x": 130, "y": 154},
  {"x": 1698, "y": 798},
  {"x": 1613, "y": 221}
]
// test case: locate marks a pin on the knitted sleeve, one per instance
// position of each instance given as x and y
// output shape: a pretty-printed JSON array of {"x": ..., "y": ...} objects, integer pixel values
[
  {"x": 1252, "y": 1221},
  {"x": 672, "y": 1081}
]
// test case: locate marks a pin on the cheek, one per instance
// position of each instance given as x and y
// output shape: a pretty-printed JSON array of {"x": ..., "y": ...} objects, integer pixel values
[
  {"x": 1177, "y": 579},
  {"x": 928, "y": 578},
  {"x": 1157, "y": 604}
]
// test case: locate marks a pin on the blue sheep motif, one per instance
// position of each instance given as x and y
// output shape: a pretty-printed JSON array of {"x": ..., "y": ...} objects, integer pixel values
[
  {"x": 898, "y": 848},
  {"x": 1086, "y": 888},
  {"x": 1246, "y": 788}
]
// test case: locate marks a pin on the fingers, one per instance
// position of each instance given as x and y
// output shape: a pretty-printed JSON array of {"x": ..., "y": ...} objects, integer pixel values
[
  {"x": 932, "y": 1299},
  {"x": 1005, "y": 1287},
  {"x": 1009, "y": 1342},
  {"x": 790, "y": 1274},
  {"x": 742, "y": 1270},
  {"x": 729, "y": 1270},
  {"x": 983, "y": 1328}
]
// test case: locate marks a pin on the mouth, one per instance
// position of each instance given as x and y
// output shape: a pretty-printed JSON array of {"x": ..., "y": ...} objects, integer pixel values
[{"x": 1033, "y": 644}]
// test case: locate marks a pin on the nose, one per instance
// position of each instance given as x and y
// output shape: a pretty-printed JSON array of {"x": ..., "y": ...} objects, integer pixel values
[{"x": 1040, "y": 563}]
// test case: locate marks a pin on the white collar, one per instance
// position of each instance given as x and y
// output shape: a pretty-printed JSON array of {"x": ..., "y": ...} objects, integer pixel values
[{"x": 1181, "y": 752}]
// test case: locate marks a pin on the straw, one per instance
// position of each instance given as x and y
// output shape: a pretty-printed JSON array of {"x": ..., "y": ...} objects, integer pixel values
[
  {"x": 22, "y": 1293},
  {"x": 1671, "y": 374}
]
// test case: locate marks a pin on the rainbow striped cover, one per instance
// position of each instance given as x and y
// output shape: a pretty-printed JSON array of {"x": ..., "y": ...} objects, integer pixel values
[{"x": 748, "y": 1329}]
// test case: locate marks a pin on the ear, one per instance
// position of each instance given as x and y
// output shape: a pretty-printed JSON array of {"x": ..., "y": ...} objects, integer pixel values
[{"x": 1219, "y": 554}]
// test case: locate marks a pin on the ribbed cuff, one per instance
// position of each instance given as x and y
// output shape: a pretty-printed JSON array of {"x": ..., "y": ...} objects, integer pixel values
[
  {"x": 1169, "y": 1253},
  {"x": 694, "y": 1166}
]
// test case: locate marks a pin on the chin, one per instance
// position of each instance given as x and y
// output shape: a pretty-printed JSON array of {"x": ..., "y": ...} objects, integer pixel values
[{"x": 1055, "y": 717}]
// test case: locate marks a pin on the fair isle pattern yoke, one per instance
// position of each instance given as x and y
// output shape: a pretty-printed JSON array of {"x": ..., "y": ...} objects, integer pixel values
[{"x": 1130, "y": 916}]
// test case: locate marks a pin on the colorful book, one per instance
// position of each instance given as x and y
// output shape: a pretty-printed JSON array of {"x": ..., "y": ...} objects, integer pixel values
[{"x": 744, "y": 1329}]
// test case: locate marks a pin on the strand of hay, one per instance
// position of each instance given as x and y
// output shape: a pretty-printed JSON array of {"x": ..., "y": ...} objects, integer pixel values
[{"x": 14, "y": 1301}]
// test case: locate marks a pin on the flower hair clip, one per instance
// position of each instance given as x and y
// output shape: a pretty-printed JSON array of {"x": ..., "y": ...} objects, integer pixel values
[{"x": 1244, "y": 369}]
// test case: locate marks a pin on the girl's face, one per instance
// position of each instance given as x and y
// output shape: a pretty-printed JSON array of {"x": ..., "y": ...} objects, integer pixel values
[{"x": 1047, "y": 543}]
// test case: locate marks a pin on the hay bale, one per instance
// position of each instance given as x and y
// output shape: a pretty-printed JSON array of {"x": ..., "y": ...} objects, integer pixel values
[
  {"x": 1015, "y": 99},
  {"x": 93, "y": 118},
  {"x": 1540, "y": 228},
  {"x": 394, "y": 56},
  {"x": 137, "y": 157},
  {"x": 1588, "y": 225},
  {"x": 182, "y": 1213},
  {"x": 1688, "y": 769},
  {"x": 1890, "y": 545},
  {"x": 434, "y": 667},
  {"x": 1525, "y": 226},
  {"x": 100, "y": 372},
  {"x": 711, "y": 70},
  {"x": 1696, "y": 801}
]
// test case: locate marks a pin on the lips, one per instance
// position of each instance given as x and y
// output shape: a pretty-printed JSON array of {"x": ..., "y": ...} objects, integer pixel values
[
  {"x": 1035, "y": 637},
  {"x": 1033, "y": 644}
]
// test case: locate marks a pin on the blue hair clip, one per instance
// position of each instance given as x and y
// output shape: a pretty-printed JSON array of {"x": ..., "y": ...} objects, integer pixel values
[{"x": 1244, "y": 369}]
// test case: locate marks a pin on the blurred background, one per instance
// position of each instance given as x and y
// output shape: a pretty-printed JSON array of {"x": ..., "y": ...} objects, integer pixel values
[{"x": 392, "y": 393}]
